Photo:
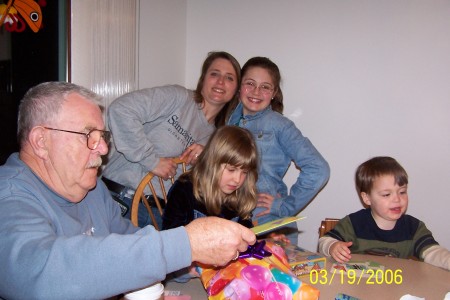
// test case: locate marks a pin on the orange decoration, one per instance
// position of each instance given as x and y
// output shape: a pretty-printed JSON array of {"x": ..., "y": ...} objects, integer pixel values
[{"x": 13, "y": 14}]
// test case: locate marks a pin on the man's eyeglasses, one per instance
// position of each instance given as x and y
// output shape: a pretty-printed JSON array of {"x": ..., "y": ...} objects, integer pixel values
[
  {"x": 93, "y": 137},
  {"x": 251, "y": 86}
]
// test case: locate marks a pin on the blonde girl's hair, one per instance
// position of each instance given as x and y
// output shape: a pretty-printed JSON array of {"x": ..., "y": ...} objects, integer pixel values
[{"x": 236, "y": 147}]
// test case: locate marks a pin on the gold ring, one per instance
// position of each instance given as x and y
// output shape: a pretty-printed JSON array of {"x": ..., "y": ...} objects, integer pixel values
[{"x": 237, "y": 255}]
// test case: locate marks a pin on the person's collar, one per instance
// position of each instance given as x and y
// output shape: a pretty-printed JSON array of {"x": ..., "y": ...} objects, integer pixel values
[{"x": 257, "y": 115}]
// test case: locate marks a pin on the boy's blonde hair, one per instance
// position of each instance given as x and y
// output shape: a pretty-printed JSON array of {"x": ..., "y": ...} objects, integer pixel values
[
  {"x": 375, "y": 167},
  {"x": 236, "y": 147}
]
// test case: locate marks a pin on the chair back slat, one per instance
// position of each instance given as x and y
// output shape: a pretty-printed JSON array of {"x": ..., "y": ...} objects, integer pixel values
[
  {"x": 140, "y": 196},
  {"x": 326, "y": 225}
]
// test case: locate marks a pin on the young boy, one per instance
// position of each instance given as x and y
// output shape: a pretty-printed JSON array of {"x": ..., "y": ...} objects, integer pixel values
[{"x": 383, "y": 228}]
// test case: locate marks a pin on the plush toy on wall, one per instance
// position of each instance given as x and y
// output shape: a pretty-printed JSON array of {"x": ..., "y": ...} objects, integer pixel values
[{"x": 15, "y": 12}]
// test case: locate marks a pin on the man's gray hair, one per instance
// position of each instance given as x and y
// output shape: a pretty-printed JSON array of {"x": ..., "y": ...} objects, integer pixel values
[{"x": 42, "y": 104}]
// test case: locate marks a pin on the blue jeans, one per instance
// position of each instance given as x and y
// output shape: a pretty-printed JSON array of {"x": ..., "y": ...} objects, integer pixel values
[{"x": 125, "y": 198}]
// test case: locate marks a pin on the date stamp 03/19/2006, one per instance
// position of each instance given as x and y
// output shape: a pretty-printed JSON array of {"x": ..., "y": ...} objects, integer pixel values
[{"x": 353, "y": 274}]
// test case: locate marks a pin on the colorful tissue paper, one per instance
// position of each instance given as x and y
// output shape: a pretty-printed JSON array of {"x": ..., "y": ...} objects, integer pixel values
[{"x": 261, "y": 272}]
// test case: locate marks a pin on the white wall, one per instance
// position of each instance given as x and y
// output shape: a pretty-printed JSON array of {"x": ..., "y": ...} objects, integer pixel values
[
  {"x": 361, "y": 78},
  {"x": 162, "y": 42}
]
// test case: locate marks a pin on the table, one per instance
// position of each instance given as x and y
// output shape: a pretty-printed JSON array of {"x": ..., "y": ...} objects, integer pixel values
[
  {"x": 417, "y": 278},
  {"x": 193, "y": 288}
]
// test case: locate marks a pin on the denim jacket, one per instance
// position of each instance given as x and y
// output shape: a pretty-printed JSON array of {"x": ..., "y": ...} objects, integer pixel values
[{"x": 279, "y": 142}]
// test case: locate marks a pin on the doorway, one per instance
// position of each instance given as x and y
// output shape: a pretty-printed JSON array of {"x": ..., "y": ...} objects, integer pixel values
[{"x": 27, "y": 59}]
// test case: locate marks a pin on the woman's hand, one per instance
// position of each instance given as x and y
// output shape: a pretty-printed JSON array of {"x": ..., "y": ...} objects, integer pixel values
[
  {"x": 190, "y": 155},
  {"x": 166, "y": 168},
  {"x": 264, "y": 200}
]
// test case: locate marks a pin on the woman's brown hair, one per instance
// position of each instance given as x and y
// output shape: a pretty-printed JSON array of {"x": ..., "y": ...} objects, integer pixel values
[{"x": 198, "y": 98}]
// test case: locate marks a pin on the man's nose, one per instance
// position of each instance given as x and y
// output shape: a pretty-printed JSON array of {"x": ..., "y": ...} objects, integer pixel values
[{"x": 102, "y": 147}]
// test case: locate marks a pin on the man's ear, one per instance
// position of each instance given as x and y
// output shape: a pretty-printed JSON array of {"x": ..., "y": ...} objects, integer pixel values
[
  {"x": 365, "y": 198},
  {"x": 37, "y": 140}
]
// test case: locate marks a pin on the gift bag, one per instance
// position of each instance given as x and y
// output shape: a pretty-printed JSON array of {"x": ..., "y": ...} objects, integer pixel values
[{"x": 262, "y": 272}]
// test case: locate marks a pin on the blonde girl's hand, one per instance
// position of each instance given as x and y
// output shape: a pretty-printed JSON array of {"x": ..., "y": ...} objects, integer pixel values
[
  {"x": 264, "y": 200},
  {"x": 193, "y": 271},
  {"x": 190, "y": 155},
  {"x": 340, "y": 251},
  {"x": 279, "y": 237}
]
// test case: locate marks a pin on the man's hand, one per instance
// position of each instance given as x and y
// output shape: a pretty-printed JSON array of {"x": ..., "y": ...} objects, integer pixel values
[{"x": 216, "y": 241}]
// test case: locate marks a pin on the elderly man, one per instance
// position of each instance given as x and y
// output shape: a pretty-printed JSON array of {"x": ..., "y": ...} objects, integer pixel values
[{"x": 62, "y": 236}]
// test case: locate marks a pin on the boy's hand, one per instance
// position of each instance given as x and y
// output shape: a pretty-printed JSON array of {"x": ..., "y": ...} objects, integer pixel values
[{"x": 340, "y": 251}]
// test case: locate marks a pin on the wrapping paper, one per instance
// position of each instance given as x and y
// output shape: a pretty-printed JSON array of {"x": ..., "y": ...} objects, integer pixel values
[{"x": 262, "y": 272}]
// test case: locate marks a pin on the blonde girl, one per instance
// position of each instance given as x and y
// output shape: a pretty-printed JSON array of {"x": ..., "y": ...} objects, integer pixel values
[{"x": 222, "y": 183}]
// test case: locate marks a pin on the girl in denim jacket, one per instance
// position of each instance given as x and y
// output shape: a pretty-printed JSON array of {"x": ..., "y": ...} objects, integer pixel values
[{"x": 279, "y": 142}]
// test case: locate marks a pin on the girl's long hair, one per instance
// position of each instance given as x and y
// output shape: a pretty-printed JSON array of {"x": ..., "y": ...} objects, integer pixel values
[{"x": 236, "y": 147}]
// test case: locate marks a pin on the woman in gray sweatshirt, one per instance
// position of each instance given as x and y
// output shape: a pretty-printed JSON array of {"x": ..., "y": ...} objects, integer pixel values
[{"x": 150, "y": 126}]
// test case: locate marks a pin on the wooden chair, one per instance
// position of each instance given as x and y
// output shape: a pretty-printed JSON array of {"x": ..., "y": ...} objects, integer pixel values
[
  {"x": 326, "y": 225},
  {"x": 139, "y": 195}
]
